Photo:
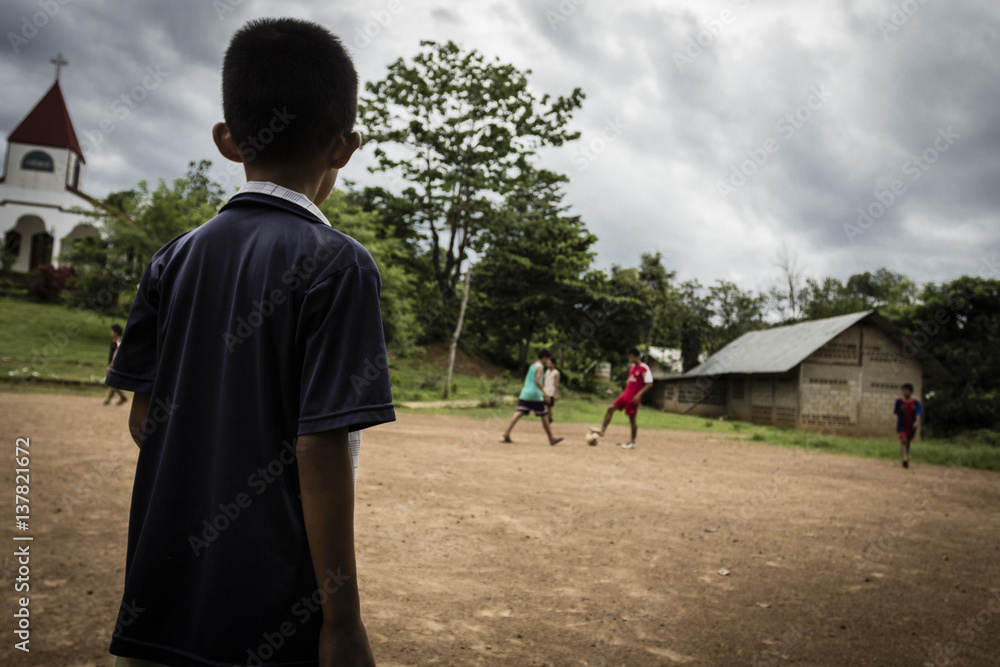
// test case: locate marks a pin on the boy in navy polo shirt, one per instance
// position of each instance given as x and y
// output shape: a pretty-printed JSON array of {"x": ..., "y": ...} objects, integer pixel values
[
  {"x": 250, "y": 346},
  {"x": 907, "y": 410}
]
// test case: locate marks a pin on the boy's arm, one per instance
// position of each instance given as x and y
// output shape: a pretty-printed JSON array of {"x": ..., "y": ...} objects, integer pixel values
[
  {"x": 137, "y": 416},
  {"x": 645, "y": 388},
  {"x": 539, "y": 378},
  {"x": 327, "y": 485},
  {"x": 555, "y": 383}
]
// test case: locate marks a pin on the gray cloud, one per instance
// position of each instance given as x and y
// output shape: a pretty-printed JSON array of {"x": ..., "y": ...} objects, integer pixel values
[{"x": 681, "y": 129}]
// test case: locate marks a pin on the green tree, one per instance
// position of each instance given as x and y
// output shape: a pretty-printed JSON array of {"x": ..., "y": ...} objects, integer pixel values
[
  {"x": 135, "y": 224},
  {"x": 530, "y": 276},
  {"x": 461, "y": 132},
  {"x": 829, "y": 298},
  {"x": 958, "y": 323},
  {"x": 695, "y": 323},
  {"x": 734, "y": 313},
  {"x": 885, "y": 290}
]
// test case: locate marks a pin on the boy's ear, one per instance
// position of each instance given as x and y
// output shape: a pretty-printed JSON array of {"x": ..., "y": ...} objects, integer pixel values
[
  {"x": 224, "y": 142},
  {"x": 343, "y": 149}
]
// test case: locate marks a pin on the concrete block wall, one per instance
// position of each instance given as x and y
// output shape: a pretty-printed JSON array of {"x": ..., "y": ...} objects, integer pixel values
[{"x": 883, "y": 371}]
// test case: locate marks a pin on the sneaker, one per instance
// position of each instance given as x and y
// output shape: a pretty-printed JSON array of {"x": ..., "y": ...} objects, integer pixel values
[
  {"x": 107, "y": 402},
  {"x": 598, "y": 430},
  {"x": 906, "y": 464},
  {"x": 628, "y": 445},
  {"x": 558, "y": 440},
  {"x": 506, "y": 439},
  {"x": 122, "y": 400}
]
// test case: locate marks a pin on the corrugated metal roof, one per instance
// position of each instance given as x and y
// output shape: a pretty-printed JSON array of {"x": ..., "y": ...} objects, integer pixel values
[
  {"x": 776, "y": 350},
  {"x": 781, "y": 349}
]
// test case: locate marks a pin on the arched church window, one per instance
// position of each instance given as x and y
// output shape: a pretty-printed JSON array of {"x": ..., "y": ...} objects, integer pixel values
[{"x": 38, "y": 161}]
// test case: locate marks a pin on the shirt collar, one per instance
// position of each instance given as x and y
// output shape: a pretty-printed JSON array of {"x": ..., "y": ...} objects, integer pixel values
[{"x": 274, "y": 190}]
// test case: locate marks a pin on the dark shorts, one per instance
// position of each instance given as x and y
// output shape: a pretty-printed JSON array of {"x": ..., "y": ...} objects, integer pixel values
[
  {"x": 538, "y": 407},
  {"x": 630, "y": 408}
]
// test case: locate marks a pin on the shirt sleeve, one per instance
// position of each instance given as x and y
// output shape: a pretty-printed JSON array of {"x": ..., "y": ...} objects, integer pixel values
[
  {"x": 918, "y": 409},
  {"x": 647, "y": 375},
  {"x": 134, "y": 364},
  {"x": 896, "y": 408},
  {"x": 345, "y": 370}
]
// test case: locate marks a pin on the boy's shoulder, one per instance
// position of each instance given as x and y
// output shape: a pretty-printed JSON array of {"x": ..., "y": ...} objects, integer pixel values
[{"x": 277, "y": 225}]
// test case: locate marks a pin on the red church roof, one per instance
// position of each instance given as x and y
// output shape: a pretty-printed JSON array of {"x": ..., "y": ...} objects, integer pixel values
[{"x": 48, "y": 124}]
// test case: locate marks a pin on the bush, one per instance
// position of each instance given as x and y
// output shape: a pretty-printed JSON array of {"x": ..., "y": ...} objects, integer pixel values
[
  {"x": 98, "y": 290},
  {"x": 50, "y": 282},
  {"x": 491, "y": 392}
]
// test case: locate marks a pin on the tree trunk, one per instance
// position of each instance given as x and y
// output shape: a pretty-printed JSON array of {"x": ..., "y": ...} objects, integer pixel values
[{"x": 458, "y": 332}]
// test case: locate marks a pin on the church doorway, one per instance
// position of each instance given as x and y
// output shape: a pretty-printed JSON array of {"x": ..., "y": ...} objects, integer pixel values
[
  {"x": 32, "y": 242},
  {"x": 41, "y": 250}
]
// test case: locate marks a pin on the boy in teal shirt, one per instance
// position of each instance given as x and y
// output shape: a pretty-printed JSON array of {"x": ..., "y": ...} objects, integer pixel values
[{"x": 533, "y": 398}]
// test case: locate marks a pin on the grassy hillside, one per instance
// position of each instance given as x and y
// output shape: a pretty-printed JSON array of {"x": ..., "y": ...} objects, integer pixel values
[
  {"x": 52, "y": 342},
  {"x": 55, "y": 343}
]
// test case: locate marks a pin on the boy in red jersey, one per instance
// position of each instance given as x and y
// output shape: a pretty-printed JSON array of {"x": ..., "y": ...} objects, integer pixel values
[
  {"x": 640, "y": 379},
  {"x": 907, "y": 411}
]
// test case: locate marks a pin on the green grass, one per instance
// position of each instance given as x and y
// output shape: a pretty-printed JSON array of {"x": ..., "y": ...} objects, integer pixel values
[
  {"x": 45, "y": 341},
  {"x": 971, "y": 451},
  {"x": 414, "y": 378}
]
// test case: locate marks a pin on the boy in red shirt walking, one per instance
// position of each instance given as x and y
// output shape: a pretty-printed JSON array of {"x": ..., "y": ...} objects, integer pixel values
[{"x": 640, "y": 379}]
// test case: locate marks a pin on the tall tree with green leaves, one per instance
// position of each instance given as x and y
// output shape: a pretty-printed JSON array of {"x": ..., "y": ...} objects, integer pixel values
[
  {"x": 735, "y": 312},
  {"x": 531, "y": 272},
  {"x": 958, "y": 323},
  {"x": 460, "y": 131}
]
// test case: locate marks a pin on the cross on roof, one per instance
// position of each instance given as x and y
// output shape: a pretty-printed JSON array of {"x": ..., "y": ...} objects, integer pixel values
[{"x": 58, "y": 61}]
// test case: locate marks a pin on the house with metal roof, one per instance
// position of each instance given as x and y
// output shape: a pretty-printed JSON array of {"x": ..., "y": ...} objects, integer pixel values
[{"x": 840, "y": 375}]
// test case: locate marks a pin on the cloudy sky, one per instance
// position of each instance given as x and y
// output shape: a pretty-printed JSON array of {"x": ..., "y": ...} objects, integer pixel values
[{"x": 855, "y": 133}]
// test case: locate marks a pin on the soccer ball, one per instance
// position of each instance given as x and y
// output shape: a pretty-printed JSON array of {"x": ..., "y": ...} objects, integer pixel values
[{"x": 592, "y": 439}]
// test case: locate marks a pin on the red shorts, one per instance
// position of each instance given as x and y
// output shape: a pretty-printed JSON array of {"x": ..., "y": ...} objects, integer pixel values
[
  {"x": 903, "y": 435},
  {"x": 626, "y": 404}
]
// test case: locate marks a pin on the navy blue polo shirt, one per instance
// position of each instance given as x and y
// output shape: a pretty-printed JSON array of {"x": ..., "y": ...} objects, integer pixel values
[{"x": 258, "y": 326}]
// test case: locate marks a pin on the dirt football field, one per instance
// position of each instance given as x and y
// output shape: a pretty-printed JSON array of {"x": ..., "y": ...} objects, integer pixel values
[{"x": 689, "y": 550}]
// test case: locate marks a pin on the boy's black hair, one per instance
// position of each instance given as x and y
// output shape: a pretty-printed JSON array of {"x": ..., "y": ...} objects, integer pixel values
[
  {"x": 289, "y": 88},
  {"x": 907, "y": 386},
  {"x": 634, "y": 351},
  {"x": 544, "y": 353},
  {"x": 117, "y": 328}
]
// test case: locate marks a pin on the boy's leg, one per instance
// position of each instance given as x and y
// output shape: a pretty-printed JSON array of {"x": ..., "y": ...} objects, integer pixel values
[
  {"x": 635, "y": 426},
  {"x": 111, "y": 392},
  {"x": 510, "y": 427},
  {"x": 607, "y": 418},
  {"x": 904, "y": 450},
  {"x": 548, "y": 430}
]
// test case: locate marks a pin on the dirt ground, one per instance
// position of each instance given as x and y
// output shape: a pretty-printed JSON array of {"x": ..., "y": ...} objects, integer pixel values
[{"x": 472, "y": 552}]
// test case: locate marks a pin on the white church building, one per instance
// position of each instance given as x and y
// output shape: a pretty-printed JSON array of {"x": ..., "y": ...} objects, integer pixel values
[{"x": 42, "y": 185}]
